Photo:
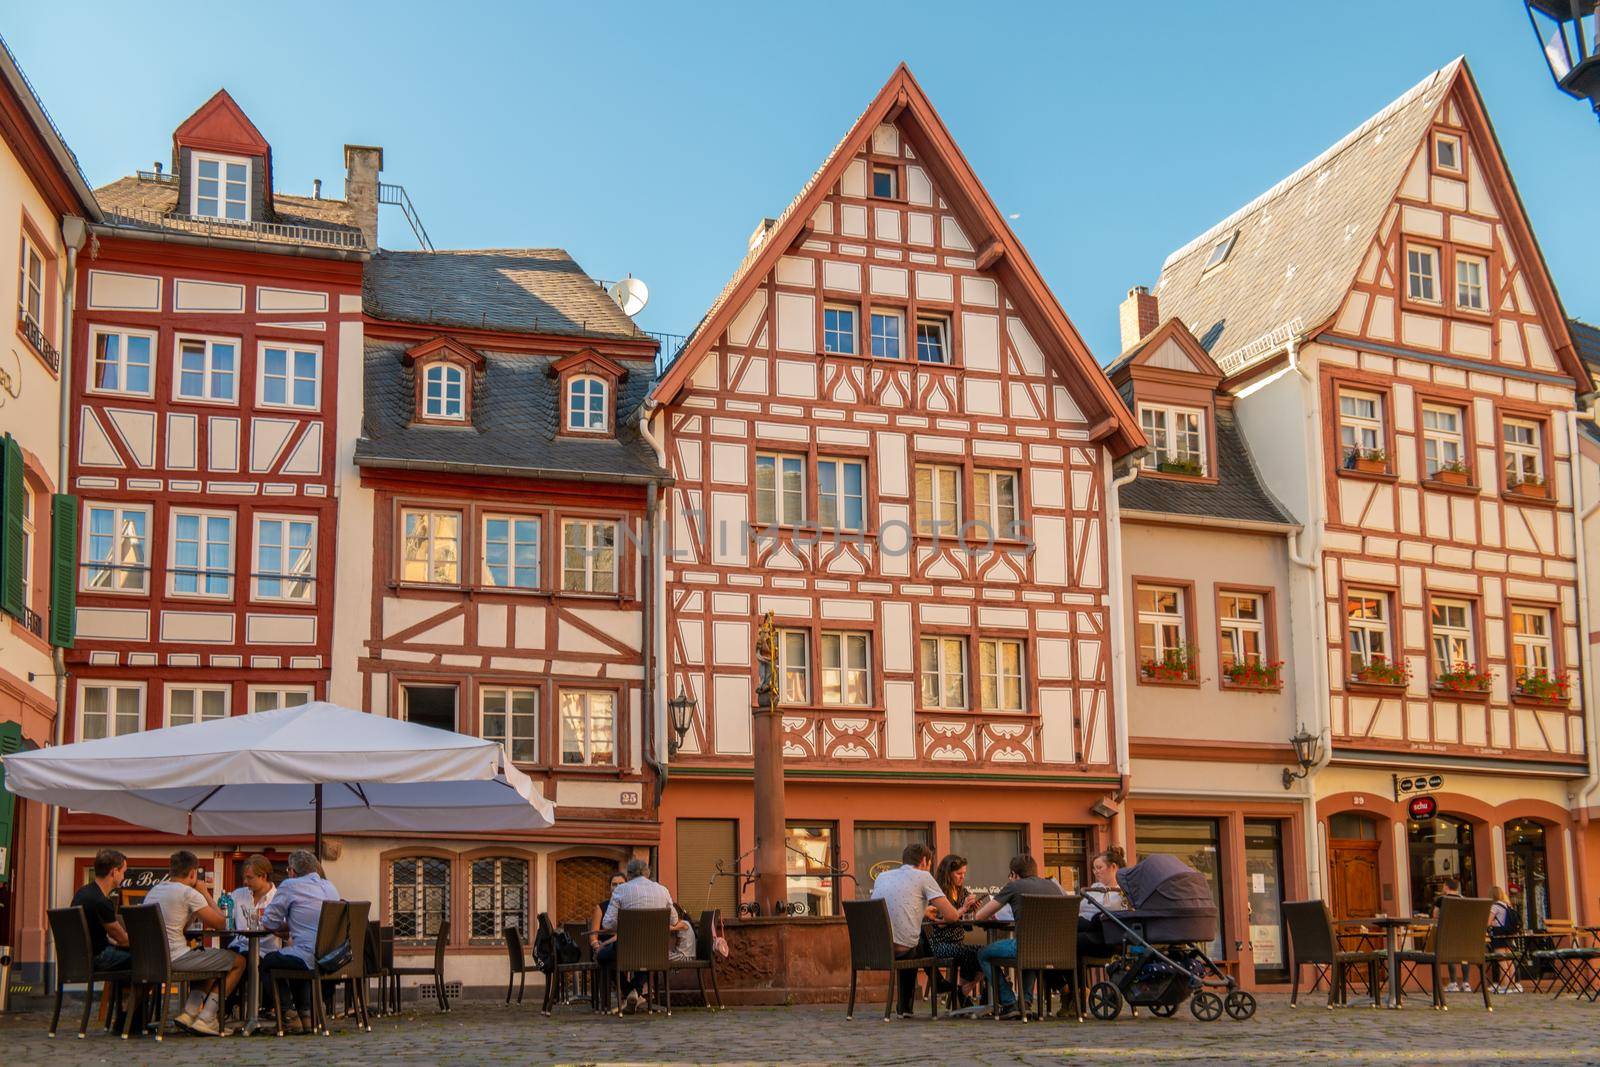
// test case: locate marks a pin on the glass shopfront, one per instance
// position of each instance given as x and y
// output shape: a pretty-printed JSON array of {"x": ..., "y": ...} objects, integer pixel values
[
  {"x": 808, "y": 862},
  {"x": 988, "y": 850},
  {"x": 1066, "y": 856},
  {"x": 1195, "y": 842},
  {"x": 1263, "y": 863},
  {"x": 1441, "y": 851},
  {"x": 1527, "y": 872},
  {"x": 878, "y": 849}
]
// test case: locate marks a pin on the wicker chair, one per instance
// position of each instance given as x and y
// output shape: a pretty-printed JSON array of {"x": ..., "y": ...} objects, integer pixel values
[
  {"x": 1047, "y": 942},
  {"x": 872, "y": 949},
  {"x": 557, "y": 973},
  {"x": 518, "y": 960},
  {"x": 436, "y": 972},
  {"x": 705, "y": 959},
  {"x": 642, "y": 938},
  {"x": 69, "y": 927},
  {"x": 380, "y": 966},
  {"x": 583, "y": 982},
  {"x": 1312, "y": 943},
  {"x": 339, "y": 921},
  {"x": 152, "y": 971},
  {"x": 1460, "y": 937}
]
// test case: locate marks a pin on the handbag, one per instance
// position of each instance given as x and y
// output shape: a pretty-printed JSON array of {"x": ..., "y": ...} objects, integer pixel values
[
  {"x": 719, "y": 943},
  {"x": 335, "y": 958}
]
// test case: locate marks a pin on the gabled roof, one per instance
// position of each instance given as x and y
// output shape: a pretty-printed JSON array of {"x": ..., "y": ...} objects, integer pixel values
[
  {"x": 468, "y": 355},
  {"x": 516, "y": 290},
  {"x": 1177, "y": 331},
  {"x": 220, "y": 125},
  {"x": 903, "y": 102},
  {"x": 44, "y": 146},
  {"x": 1587, "y": 339},
  {"x": 588, "y": 357},
  {"x": 1299, "y": 245}
]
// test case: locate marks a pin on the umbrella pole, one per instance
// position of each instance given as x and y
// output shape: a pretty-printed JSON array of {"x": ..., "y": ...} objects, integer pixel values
[{"x": 316, "y": 792}]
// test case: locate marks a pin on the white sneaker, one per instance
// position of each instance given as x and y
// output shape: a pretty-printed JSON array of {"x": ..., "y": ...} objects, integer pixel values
[
  {"x": 630, "y": 1006},
  {"x": 185, "y": 1019},
  {"x": 206, "y": 1025},
  {"x": 1453, "y": 987},
  {"x": 1515, "y": 988}
]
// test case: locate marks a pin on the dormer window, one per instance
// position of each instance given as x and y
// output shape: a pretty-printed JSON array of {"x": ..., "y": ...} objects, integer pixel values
[
  {"x": 1177, "y": 439},
  {"x": 444, "y": 388},
  {"x": 587, "y": 404},
  {"x": 221, "y": 187}
]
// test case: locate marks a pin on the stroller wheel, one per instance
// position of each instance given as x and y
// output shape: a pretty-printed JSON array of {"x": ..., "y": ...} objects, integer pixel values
[
  {"x": 1240, "y": 1005},
  {"x": 1105, "y": 1003},
  {"x": 1206, "y": 1006},
  {"x": 1163, "y": 1011}
]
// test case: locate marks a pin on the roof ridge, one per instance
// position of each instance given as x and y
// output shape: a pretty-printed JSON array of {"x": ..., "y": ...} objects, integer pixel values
[{"x": 1337, "y": 148}]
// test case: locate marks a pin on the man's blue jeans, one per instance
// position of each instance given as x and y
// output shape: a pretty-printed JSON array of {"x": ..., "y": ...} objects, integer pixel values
[{"x": 998, "y": 950}]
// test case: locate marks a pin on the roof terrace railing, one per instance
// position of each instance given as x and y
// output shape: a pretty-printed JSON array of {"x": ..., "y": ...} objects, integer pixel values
[
  {"x": 241, "y": 230},
  {"x": 1265, "y": 345}
]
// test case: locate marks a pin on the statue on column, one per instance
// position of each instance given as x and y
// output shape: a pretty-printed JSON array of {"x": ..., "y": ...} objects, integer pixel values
[{"x": 767, "y": 663}]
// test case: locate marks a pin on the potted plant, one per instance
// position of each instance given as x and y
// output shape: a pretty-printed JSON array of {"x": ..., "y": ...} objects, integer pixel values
[
  {"x": 1379, "y": 671},
  {"x": 1531, "y": 485},
  {"x": 1254, "y": 674},
  {"x": 1175, "y": 665},
  {"x": 1465, "y": 678},
  {"x": 1453, "y": 473},
  {"x": 1542, "y": 686},
  {"x": 1368, "y": 460},
  {"x": 1178, "y": 464}
]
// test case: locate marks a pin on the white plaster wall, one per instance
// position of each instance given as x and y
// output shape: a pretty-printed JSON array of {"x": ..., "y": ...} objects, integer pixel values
[{"x": 352, "y": 585}]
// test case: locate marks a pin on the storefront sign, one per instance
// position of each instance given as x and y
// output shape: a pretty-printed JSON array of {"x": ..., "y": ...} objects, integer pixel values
[
  {"x": 1423, "y": 807},
  {"x": 1411, "y": 785},
  {"x": 1266, "y": 944}
]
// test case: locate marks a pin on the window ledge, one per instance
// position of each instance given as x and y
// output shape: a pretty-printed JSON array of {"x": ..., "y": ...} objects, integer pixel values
[
  {"x": 1356, "y": 685},
  {"x": 1370, "y": 476},
  {"x": 1553, "y": 703},
  {"x": 1236, "y": 687},
  {"x": 1178, "y": 476},
  {"x": 1462, "y": 489},
  {"x": 1511, "y": 496},
  {"x": 1175, "y": 683},
  {"x": 1471, "y": 696}
]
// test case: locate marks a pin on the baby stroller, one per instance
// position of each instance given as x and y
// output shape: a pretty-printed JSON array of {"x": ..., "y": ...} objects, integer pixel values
[{"x": 1157, "y": 960}]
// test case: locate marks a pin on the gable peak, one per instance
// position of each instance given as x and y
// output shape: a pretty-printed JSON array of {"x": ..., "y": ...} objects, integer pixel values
[{"x": 220, "y": 124}]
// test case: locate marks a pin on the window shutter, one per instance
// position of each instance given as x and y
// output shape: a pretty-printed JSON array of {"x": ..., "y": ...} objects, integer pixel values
[
  {"x": 702, "y": 843},
  {"x": 63, "y": 570},
  {"x": 10, "y": 741},
  {"x": 11, "y": 528}
]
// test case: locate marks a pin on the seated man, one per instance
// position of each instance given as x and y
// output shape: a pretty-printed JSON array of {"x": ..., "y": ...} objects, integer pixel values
[
  {"x": 296, "y": 908},
  {"x": 1023, "y": 881},
  {"x": 637, "y": 893},
  {"x": 910, "y": 891},
  {"x": 108, "y": 941},
  {"x": 250, "y": 900},
  {"x": 184, "y": 899}
]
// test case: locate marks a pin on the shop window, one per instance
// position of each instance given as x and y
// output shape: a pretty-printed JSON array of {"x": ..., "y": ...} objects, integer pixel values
[
  {"x": 1528, "y": 872},
  {"x": 498, "y": 888},
  {"x": 1195, "y": 842},
  {"x": 988, "y": 850},
  {"x": 1263, "y": 863},
  {"x": 1066, "y": 856},
  {"x": 1440, "y": 851},
  {"x": 419, "y": 897},
  {"x": 808, "y": 857},
  {"x": 878, "y": 849}
]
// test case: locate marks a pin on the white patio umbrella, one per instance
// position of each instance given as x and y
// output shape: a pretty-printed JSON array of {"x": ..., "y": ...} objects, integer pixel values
[{"x": 307, "y": 769}]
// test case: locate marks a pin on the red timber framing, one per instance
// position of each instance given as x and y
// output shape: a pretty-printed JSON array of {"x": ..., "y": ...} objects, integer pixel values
[{"x": 879, "y": 362}]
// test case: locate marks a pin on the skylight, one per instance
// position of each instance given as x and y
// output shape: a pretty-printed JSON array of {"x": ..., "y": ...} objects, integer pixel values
[{"x": 1220, "y": 250}]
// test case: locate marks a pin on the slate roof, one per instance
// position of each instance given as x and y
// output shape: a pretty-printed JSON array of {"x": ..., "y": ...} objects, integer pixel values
[
  {"x": 1238, "y": 493},
  {"x": 1300, "y": 243},
  {"x": 66, "y": 159},
  {"x": 515, "y": 413},
  {"x": 142, "y": 203},
  {"x": 520, "y": 290},
  {"x": 1587, "y": 338}
]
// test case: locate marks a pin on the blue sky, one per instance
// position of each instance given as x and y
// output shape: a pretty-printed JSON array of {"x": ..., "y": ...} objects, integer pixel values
[{"x": 650, "y": 138}]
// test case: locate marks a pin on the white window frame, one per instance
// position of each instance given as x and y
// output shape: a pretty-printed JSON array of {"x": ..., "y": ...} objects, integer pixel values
[
  {"x": 510, "y": 737},
  {"x": 1481, "y": 287},
  {"x": 1436, "y": 442},
  {"x": 447, "y": 369},
  {"x": 581, "y": 419},
  {"x": 946, "y": 648},
  {"x": 32, "y": 294},
  {"x": 88, "y": 566},
  {"x": 1519, "y": 454},
  {"x": 854, "y": 333},
  {"x": 1362, "y": 630},
  {"x": 1001, "y": 675},
  {"x": 287, "y": 578},
  {"x": 202, "y": 572},
  {"x": 586, "y": 743},
  {"x": 1161, "y": 622},
  {"x": 1417, "y": 277},
  {"x": 794, "y": 666},
  {"x": 112, "y": 688},
  {"x": 840, "y": 498},
  {"x": 1533, "y": 646},
  {"x": 1356, "y": 429},
  {"x": 1450, "y": 637},
  {"x": 209, "y": 374},
  {"x": 289, "y": 376},
  {"x": 29, "y": 536},
  {"x": 1162, "y": 425},
  {"x": 886, "y": 315},
  {"x": 1233, "y": 627},
  {"x": 222, "y": 198},
  {"x": 281, "y": 692},
  {"x": 122, "y": 333},
  {"x": 986, "y": 505},
  {"x": 837, "y": 648},
  {"x": 940, "y": 327},
  {"x": 894, "y": 182},
  {"x": 590, "y": 548},
  {"x": 784, "y": 509},
  {"x": 1457, "y": 148},
  {"x": 511, "y": 519},
  {"x": 1220, "y": 251},
  {"x": 433, "y": 559},
  {"x": 197, "y": 693},
  {"x": 931, "y": 509}
]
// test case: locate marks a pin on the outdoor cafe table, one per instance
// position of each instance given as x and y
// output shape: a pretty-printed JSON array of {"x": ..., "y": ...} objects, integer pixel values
[
  {"x": 252, "y": 972},
  {"x": 1391, "y": 925}
]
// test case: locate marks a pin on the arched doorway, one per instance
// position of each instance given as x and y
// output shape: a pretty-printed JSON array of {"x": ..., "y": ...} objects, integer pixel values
[
  {"x": 1441, "y": 852},
  {"x": 1528, "y": 872},
  {"x": 1353, "y": 865},
  {"x": 581, "y": 882}
]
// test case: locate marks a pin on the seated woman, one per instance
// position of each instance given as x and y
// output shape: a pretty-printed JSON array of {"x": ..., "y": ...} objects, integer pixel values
[
  {"x": 949, "y": 940},
  {"x": 1103, "y": 894},
  {"x": 682, "y": 948},
  {"x": 597, "y": 936}
]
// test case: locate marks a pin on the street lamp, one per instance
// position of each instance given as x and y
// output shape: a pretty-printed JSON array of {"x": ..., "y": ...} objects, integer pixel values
[
  {"x": 1566, "y": 32},
  {"x": 682, "y": 708},
  {"x": 1307, "y": 750}
]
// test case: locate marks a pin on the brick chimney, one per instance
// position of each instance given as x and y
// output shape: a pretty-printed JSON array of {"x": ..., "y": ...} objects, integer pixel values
[
  {"x": 362, "y": 163},
  {"x": 1140, "y": 316}
]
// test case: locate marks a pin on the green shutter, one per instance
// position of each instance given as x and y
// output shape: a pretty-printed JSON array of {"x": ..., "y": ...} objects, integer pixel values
[
  {"x": 10, "y": 741},
  {"x": 63, "y": 570},
  {"x": 11, "y": 491}
]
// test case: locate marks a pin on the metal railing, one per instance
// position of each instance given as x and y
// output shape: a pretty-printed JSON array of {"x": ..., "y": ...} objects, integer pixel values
[
  {"x": 239, "y": 230},
  {"x": 41, "y": 344},
  {"x": 1267, "y": 343},
  {"x": 389, "y": 193},
  {"x": 33, "y": 623}
]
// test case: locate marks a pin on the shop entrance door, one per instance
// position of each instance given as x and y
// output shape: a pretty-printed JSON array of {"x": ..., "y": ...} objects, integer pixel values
[{"x": 1354, "y": 878}]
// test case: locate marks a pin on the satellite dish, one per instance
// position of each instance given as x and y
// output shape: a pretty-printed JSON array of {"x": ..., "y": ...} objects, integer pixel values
[{"x": 631, "y": 295}]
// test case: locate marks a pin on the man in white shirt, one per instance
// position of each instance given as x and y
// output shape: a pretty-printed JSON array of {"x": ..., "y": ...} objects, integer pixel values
[
  {"x": 250, "y": 900},
  {"x": 908, "y": 891},
  {"x": 638, "y": 893},
  {"x": 184, "y": 899}
]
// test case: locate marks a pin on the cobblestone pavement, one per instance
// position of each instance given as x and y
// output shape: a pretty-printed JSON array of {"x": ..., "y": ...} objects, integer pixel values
[{"x": 1525, "y": 1029}]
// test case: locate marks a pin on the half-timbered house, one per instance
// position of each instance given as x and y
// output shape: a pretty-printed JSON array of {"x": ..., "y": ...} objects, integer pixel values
[
  {"x": 1400, "y": 361},
  {"x": 886, "y": 433}
]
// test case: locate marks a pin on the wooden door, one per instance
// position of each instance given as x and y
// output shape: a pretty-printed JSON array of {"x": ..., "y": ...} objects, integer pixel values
[
  {"x": 581, "y": 883},
  {"x": 1354, "y": 878}
]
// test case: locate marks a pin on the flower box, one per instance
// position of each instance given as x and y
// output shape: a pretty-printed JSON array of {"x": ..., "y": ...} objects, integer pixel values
[
  {"x": 1254, "y": 675},
  {"x": 1176, "y": 665},
  {"x": 1453, "y": 476},
  {"x": 1541, "y": 687},
  {"x": 1535, "y": 490},
  {"x": 1188, "y": 467},
  {"x": 1463, "y": 679},
  {"x": 1379, "y": 671},
  {"x": 1367, "y": 460}
]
